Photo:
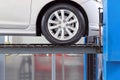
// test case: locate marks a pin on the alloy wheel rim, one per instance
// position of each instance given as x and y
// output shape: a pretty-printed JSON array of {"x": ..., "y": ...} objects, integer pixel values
[{"x": 63, "y": 24}]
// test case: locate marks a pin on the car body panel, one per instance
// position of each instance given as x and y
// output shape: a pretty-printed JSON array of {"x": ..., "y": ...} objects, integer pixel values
[{"x": 11, "y": 12}]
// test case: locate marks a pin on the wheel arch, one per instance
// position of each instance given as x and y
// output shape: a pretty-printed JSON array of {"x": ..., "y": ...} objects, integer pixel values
[{"x": 45, "y": 8}]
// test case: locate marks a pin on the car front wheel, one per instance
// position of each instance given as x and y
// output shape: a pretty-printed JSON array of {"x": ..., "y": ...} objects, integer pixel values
[{"x": 63, "y": 24}]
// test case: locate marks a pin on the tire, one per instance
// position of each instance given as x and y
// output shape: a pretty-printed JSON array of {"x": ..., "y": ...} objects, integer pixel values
[{"x": 65, "y": 29}]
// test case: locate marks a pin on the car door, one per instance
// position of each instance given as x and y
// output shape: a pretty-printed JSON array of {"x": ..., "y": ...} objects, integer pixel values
[{"x": 14, "y": 14}]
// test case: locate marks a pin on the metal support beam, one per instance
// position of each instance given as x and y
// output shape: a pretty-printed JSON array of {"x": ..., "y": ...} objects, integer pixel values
[
  {"x": 49, "y": 48},
  {"x": 53, "y": 67},
  {"x": 2, "y": 61}
]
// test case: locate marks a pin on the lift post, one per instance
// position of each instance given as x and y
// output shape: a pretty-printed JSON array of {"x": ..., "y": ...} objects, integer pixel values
[
  {"x": 111, "y": 49},
  {"x": 2, "y": 62}
]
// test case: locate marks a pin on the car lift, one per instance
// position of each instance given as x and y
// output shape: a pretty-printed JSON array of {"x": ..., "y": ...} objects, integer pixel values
[{"x": 90, "y": 48}]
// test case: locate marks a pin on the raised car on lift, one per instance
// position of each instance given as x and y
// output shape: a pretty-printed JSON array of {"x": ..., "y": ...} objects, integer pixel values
[{"x": 60, "y": 21}]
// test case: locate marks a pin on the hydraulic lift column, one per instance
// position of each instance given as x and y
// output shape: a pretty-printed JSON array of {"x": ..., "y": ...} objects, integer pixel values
[{"x": 111, "y": 47}]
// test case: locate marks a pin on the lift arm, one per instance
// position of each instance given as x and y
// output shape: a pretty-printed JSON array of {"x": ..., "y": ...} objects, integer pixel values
[{"x": 49, "y": 48}]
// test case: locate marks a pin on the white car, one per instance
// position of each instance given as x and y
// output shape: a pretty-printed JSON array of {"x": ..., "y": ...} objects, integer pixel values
[{"x": 60, "y": 21}]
